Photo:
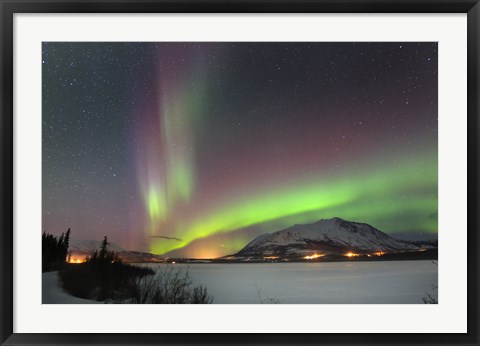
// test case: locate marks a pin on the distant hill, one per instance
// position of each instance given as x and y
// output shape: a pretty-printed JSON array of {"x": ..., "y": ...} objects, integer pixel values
[{"x": 329, "y": 237}]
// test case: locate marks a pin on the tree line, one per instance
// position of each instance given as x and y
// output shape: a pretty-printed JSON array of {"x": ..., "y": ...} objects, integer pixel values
[{"x": 54, "y": 251}]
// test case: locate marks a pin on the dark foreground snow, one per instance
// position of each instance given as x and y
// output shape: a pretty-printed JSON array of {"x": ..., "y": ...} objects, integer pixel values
[{"x": 53, "y": 293}]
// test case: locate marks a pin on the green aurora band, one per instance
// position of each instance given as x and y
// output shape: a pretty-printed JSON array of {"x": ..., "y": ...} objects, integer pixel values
[
  {"x": 376, "y": 197},
  {"x": 166, "y": 166}
]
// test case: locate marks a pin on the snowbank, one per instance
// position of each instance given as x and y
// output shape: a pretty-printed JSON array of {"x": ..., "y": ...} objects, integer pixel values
[{"x": 53, "y": 293}]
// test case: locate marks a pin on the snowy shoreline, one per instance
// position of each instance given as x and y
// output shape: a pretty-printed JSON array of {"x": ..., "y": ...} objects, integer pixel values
[{"x": 53, "y": 293}]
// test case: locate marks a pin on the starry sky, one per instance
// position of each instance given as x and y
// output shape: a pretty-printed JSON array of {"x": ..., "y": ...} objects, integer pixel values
[{"x": 193, "y": 149}]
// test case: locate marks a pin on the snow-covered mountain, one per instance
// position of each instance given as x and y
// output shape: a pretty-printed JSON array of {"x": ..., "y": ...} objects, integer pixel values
[{"x": 330, "y": 236}]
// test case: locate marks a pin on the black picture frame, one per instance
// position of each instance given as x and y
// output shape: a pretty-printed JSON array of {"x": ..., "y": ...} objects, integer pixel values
[{"x": 10, "y": 7}]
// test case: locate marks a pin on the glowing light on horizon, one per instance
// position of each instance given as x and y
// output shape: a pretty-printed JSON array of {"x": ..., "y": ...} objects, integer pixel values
[
  {"x": 76, "y": 260},
  {"x": 314, "y": 256},
  {"x": 271, "y": 257}
]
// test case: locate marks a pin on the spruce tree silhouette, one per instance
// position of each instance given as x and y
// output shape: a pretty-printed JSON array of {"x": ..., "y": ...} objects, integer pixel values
[{"x": 104, "y": 250}]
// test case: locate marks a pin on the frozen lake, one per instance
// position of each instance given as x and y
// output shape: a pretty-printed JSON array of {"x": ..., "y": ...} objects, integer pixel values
[{"x": 392, "y": 282}]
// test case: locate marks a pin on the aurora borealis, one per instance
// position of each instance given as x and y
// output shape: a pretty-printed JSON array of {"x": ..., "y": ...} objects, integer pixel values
[{"x": 194, "y": 149}]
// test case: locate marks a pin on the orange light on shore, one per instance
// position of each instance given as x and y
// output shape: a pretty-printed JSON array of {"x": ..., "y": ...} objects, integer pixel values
[
  {"x": 313, "y": 256},
  {"x": 351, "y": 254},
  {"x": 271, "y": 257},
  {"x": 379, "y": 253},
  {"x": 76, "y": 260}
]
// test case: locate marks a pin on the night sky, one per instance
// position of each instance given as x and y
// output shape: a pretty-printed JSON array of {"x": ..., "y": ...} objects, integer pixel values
[{"x": 197, "y": 148}]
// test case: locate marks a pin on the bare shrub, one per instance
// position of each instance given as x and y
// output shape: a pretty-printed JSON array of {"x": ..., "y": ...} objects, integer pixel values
[
  {"x": 431, "y": 297},
  {"x": 141, "y": 290},
  {"x": 200, "y": 296},
  {"x": 169, "y": 285},
  {"x": 271, "y": 300},
  {"x": 268, "y": 300}
]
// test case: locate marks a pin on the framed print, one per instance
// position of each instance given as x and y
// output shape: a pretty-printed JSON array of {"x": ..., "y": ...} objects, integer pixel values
[{"x": 239, "y": 173}]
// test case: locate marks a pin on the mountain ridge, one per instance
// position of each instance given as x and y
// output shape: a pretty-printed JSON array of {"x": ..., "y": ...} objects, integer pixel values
[{"x": 333, "y": 236}]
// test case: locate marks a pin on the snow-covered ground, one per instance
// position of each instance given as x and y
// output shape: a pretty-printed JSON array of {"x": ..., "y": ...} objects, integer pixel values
[
  {"x": 52, "y": 292},
  {"x": 388, "y": 282}
]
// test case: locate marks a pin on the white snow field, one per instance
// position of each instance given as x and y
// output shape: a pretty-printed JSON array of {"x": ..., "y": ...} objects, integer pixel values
[{"x": 383, "y": 282}]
